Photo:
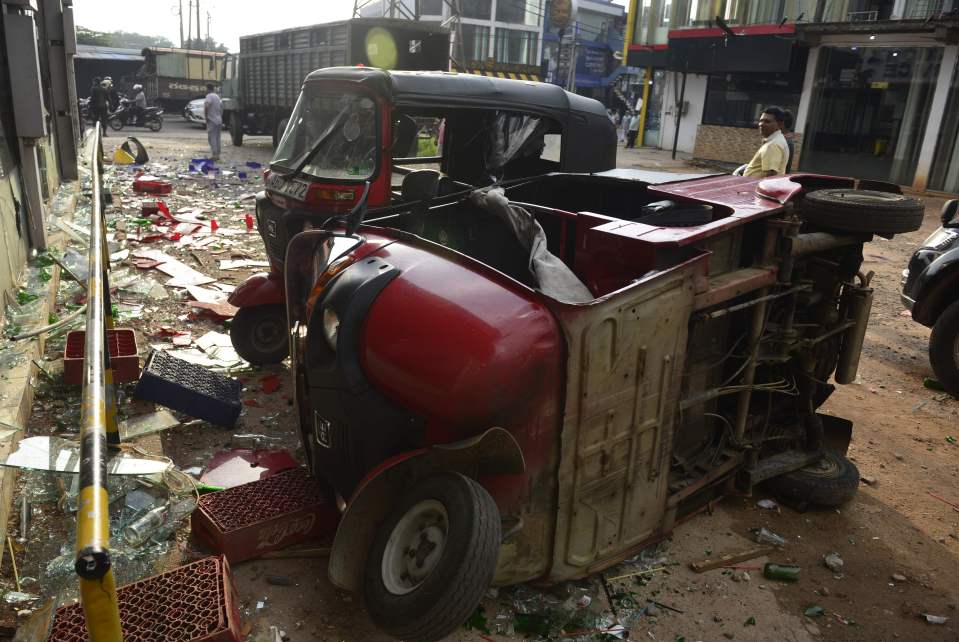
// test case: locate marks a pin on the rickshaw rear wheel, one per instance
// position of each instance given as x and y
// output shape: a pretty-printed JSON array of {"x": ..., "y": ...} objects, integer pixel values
[
  {"x": 830, "y": 482},
  {"x": 432, "y": 559},
  {"x": 259, "y": 334}
]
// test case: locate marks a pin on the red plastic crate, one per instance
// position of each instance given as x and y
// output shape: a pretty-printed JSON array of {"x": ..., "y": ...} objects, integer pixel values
[
  {"x": 147, "y": 184},
  {"x": 193, "y": 603},
  {"x": 124, "y": 361},
  {"x": 266, "y": 515}
]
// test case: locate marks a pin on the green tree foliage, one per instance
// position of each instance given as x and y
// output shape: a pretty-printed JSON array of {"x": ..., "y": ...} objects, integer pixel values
[
  {"x": 205, "y": 44},
  {"x": 122, "y": 39}
]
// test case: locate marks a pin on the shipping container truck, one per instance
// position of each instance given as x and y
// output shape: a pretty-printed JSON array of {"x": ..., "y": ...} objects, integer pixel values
[
  {"x": 173, "y": 77},
  {"x": 261, "y": 83}
]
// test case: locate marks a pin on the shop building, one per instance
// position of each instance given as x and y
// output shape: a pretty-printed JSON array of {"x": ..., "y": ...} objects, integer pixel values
[
  {"x": 38, "y": 123},
  {"x": 497, "y": 37},
  {"x": 592, "y": 45},
  {"x": 872, "y": 84}
]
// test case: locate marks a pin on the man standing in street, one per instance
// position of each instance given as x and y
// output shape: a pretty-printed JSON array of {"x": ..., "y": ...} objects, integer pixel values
[
  {"x": 100, "y": 105},
  {"x": 633, "y": 130},
  {"x": 771, "y": 157},
  {"x": 213, "y": 112}
]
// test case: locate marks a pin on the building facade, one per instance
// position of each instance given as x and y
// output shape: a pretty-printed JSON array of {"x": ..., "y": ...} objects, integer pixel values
[
  {"x": 38, "y": 123},
  {"x": 592, "y": 47},
  {"x": 497, "y": 37},
  {"x": 871, "y": 84}
]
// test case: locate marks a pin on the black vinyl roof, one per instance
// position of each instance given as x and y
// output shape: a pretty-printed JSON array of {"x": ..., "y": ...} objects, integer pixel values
[{"x": 424, "y": 88}]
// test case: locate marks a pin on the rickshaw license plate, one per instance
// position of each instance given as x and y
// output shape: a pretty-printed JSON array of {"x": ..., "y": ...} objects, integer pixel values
[{"x": 294, "y": 189}]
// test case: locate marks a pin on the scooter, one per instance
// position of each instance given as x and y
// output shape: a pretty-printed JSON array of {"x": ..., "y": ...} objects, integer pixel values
[{"x": 151, "y": 117}]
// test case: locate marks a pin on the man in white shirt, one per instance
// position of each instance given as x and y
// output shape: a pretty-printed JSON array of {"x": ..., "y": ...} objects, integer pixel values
[
  {"x": 213, "y": 112},
  {"x": 773, "y": 155}
]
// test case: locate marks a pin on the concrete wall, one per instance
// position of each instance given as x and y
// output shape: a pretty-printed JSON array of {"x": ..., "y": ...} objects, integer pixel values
[
  {"x": 734, "y": 144},
  {"x": 14, "y": 232},
  {"x": 689, "y": 122}
]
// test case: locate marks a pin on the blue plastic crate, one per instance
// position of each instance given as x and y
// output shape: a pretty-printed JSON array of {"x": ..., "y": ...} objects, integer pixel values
[{"x": 190, "y": 388}]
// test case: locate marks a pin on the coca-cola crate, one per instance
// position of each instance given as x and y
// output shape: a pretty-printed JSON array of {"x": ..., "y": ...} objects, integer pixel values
[
  {"x": 246, "y": 521},
  {"x": 124, "y": 362},
  {"x": 196, "y": 603}
]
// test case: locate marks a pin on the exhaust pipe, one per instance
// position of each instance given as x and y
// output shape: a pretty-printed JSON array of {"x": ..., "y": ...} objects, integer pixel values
[{"x": 858, "y": 307}]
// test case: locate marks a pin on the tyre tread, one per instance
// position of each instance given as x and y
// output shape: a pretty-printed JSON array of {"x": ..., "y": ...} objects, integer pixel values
[
  {"x": 817, "y": 490},
  {"x": 899, "y": 216},
  {"x": 941, "y": 344},
  {"x": 474, "y": 572}
]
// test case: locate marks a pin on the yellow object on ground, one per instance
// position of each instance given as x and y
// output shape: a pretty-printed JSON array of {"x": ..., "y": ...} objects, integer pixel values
[{"x": 120, "y": 157}]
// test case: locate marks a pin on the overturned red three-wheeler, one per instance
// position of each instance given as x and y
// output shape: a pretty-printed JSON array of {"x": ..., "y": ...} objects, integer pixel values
[{"x": 535, "y": 383}]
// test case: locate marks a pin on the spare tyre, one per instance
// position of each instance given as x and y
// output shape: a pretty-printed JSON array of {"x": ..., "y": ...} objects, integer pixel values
[{"x": 863, "y": 210}]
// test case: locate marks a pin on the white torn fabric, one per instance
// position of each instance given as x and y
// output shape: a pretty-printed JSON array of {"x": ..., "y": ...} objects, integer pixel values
[{"x": 553, "y": 277}]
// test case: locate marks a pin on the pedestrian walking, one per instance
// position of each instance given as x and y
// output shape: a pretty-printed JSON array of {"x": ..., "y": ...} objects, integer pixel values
[
  {"x": 213, "y": 112},
  {"x": 100, "y": 105},
  {"x": 633, "y": 131},
  {"x": 773, "y": 155},
  {"x": 624, "y": 126}
]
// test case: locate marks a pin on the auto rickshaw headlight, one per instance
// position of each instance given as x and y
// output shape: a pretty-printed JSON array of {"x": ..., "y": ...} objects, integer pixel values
[{"x": 331, "y": 327}]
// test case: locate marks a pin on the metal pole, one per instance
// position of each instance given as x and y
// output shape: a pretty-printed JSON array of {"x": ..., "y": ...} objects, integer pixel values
[
  {"x": 180, "y": 15},
  {"x": 679, "y": 109},
  {"x": 647, "y": 79},
  {"x": 98, "y": 594}
]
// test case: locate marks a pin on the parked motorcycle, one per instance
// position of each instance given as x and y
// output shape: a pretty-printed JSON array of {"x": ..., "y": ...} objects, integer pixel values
[
  {"x": 85, "y": 114},
  {"x": 151, "y": 118}
]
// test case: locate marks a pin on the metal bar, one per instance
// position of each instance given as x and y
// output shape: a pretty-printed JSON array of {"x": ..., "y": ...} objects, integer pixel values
[
  {"x": 756, "y": 325},
  {"x": 417, "y": 160},
  {"x": 715, "y": 314},
  {"x": 812, "y": 242},
  {"x": 98, "y": 593}
]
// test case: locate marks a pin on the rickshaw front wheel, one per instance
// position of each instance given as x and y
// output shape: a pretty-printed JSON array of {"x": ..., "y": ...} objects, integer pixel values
[
  {"x": 433, "y": 558},
  {"x": 259, "y": 334}
]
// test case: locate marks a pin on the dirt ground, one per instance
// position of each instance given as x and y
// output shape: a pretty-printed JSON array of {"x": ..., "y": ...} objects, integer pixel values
[{"x": 894, "y": 526}]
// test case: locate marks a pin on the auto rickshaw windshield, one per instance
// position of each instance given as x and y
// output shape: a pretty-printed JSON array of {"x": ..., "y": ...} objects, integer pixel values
[{"x": 331, "y": 135}]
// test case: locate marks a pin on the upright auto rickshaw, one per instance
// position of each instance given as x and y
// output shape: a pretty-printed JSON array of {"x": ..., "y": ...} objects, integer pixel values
[
  {"x": 412, "y": 137},
  {"x": 533, "y": 384}
]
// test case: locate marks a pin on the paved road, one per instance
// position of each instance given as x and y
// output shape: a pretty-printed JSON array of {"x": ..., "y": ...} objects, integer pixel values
[{"x": 177, "y": 127}]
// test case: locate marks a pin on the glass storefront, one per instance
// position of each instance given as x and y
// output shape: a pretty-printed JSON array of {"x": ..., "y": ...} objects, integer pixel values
[
  {"x": 945, "y": 164},
  {"x": 869, "y": 110},
  {"x": 653, "y": 132},
  {"x": 737, "y": 100}
]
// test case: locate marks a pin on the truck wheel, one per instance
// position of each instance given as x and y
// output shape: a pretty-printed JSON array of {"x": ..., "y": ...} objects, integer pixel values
[
  {"x": 863, "y": 210},
  {"x": 278, "y": 131},
  {"x": 830, "y": 482},
  {"x": 236, "y": 130},
  {"x": 259, "y": 334},
  {"x": 432, "y": 559},
  {"x": 944, "y": 349}
]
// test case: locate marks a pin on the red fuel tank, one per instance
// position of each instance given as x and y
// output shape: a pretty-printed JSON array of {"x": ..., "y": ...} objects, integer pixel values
[{"x": 465, "y": 347}]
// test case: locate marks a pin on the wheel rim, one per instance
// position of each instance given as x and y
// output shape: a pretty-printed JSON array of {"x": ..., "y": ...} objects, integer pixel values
[
  {"x": 866, "y": 197},
  {"x": 415, "y": 547},
  {"x": 268, "y": 335}
]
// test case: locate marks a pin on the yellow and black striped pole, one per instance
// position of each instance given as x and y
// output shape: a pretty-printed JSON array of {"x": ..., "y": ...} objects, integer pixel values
[{"x": 98, "y": 591}]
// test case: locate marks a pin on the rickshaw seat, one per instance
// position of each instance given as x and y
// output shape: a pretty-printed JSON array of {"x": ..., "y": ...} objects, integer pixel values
[{"x": 419, "y": 185}]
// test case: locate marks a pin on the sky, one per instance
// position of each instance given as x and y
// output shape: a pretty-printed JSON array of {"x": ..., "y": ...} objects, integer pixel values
[{"x": 229, "y": 19}]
